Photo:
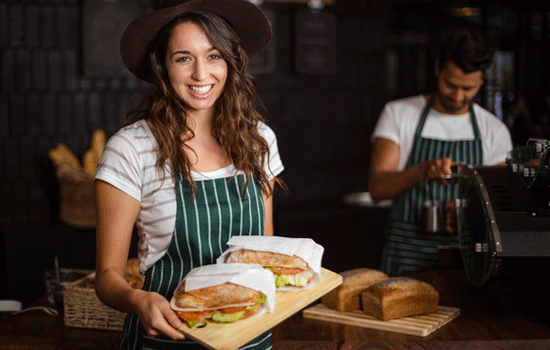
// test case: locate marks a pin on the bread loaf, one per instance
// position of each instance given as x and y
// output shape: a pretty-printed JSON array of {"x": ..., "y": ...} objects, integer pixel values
[
  {"x": 399, "y": 297},
  {"x": 346, "y": 297}
]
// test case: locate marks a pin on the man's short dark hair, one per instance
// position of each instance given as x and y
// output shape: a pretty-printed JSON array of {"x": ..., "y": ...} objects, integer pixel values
[{"x": 467, "y": 49}]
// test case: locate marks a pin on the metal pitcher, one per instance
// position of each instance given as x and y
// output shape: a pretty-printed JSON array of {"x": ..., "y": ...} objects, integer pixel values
[{"x": 433, "y": 212}]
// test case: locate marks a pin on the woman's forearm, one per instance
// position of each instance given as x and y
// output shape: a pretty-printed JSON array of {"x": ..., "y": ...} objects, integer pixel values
[
  {"x": 114, "y": 291},
  {"x": 117, "y": 213}
]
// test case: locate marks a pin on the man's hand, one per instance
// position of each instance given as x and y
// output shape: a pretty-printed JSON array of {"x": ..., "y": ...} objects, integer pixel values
[{"x": 437, "y": 169}]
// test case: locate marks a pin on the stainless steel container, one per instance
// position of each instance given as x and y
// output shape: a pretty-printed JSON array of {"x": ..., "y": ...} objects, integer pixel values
[{"x": 433, "y": 214}]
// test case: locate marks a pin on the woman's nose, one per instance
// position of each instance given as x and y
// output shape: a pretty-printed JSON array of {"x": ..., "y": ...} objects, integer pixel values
[{"x": 200, "y": 70}]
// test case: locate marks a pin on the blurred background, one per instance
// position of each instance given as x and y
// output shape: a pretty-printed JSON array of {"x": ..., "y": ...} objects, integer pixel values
[{"x": 324, "y": 79}]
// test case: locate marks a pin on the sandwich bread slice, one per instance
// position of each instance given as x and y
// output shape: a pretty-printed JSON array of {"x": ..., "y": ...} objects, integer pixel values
[
  {"x": 227, "y": 302},
  {"x": 287, "y": 269}
]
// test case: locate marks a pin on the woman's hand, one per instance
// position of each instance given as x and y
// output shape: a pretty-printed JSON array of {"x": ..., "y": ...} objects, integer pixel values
[{"x": 156, "y": 315}]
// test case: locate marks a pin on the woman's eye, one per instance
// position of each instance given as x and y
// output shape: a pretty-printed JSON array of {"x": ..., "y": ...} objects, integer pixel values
[
  {"x": 215, "y": 56},
  {"x": 182, "y": 59}
]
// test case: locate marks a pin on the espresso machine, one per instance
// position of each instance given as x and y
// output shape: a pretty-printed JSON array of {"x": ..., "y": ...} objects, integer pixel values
[{"x": 503, "y": 216}]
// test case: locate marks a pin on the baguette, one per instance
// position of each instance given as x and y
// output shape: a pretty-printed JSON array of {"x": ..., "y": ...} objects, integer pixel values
[
  {"x": 98, "y": 143},
  {"x": 227, "y": 302},
  {"x": 90, "y": 161},
  {"x": 64, "y": 159},
  {"x": 286, "y": 269}
]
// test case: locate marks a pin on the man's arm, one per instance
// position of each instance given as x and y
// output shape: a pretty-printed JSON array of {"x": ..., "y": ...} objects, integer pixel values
[{"x": 386, "y": 182}]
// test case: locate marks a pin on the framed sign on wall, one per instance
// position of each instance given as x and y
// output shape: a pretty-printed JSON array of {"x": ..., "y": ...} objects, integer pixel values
[{"x": 315, "y": 42}]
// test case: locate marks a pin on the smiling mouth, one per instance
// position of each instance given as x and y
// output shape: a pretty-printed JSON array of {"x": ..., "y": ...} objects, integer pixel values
[{"x": 201, "y": 90}]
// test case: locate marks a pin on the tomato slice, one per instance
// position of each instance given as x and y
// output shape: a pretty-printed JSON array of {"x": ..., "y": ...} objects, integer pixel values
[
  {"x": 194, "y": 315},
  {"x": 232, "y": 310},
  {"x": 289, "y": 271}
]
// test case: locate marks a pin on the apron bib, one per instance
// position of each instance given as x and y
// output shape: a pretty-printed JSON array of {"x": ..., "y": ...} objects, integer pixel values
[
  {"x": 203, "y": 227},
  {"x": 407, "y": 246}
]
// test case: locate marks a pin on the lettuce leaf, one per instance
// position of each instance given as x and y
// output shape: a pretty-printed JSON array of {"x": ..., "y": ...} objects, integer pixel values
[{"x": 284, "y": 280}]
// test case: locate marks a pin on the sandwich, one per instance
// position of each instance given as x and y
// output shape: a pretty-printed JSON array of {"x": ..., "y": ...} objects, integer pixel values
[
  {"x": 226, "y": 302},
  {"x": 288, "y": 270}
]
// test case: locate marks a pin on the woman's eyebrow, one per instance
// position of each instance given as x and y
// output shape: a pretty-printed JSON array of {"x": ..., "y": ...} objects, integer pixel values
[{"x": 187, "y": 52}]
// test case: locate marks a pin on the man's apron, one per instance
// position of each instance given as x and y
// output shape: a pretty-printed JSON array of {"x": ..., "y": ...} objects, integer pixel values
[
  {"x": 408, "y": 246},
  {"x": 203, "y": 227}
]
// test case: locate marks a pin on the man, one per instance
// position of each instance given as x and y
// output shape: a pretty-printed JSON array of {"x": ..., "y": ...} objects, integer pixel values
[{"x": 420, "y": 138}]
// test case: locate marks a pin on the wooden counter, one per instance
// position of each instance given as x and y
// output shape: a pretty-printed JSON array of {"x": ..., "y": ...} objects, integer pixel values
[{"x": 492, "y": 317}]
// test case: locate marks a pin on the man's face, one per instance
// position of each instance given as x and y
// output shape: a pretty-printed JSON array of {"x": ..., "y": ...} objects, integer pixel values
[{"x": 455, "y": 89}]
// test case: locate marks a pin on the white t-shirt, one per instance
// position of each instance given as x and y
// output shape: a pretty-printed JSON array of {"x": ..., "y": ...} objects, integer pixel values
[
  {"x": 399, "y": 119},
  {"x": 129, "y": 164}
]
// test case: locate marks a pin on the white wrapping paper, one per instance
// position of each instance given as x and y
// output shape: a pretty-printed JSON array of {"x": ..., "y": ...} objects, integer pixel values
[
  {"x": 248, "y": 275},
  {"x": 305, "y": 248}
]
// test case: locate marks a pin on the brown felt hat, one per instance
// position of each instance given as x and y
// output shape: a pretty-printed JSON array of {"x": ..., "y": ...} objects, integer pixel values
[{"x": 246, "y": 19}]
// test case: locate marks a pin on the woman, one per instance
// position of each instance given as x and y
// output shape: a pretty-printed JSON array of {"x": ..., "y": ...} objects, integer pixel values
[{"x": 194, "y": 165}]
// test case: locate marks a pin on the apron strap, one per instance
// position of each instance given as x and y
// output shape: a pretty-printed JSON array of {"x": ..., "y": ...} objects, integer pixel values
[
  {"x": 477, "y": 133},
  {"x": 419, "y": 128},
  {"x": 422, "y": 121}
]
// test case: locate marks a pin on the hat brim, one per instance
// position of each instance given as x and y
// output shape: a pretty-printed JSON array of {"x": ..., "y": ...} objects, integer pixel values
[{"x": 246, "y": 19}]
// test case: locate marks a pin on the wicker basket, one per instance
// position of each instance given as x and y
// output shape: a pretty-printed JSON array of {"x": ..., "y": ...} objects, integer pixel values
[
  {"x": 83, "y": 308},
  {"x": 77, "y": 203}
]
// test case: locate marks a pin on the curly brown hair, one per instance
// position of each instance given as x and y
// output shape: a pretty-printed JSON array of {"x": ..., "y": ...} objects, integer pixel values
[{"x": 237, "y": 117}]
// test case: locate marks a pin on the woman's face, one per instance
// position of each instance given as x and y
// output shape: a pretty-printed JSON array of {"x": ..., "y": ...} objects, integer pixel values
[{"x": 196, "y": 70}]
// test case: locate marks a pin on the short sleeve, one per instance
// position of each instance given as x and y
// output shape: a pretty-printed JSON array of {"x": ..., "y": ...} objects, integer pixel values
[
  {"x": 119, "y": 165},
  {"x": 275, "y": 165},
  {"x": 499, "y": 144},
  {"x": 387, "y": 126}
]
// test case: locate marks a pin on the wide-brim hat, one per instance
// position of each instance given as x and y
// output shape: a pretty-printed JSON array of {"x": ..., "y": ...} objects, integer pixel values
[{"x": 247, "y": 20}]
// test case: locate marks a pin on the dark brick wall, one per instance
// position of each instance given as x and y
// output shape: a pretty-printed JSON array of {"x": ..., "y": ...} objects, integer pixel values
[
  {"x": 44, "y": 100},
  {"x": 323, "y": 122}
]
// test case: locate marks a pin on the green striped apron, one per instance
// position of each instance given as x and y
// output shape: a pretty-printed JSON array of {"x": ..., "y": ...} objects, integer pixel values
[
  {"x": 408, "y": 246},
  {"x": 203, "y": 227}
]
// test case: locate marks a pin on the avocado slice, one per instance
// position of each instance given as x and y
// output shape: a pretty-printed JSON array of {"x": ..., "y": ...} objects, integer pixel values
[
  {"x": 219, "y": 317},
  {"x": 193, "y": 323}
]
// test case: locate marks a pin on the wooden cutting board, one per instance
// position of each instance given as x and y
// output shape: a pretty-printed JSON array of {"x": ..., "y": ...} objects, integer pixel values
[
  {"x": 230, "y": 336},
  {"x": 420, "y": 325}
]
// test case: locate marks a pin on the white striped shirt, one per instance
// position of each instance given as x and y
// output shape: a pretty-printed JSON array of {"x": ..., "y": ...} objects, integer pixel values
[{"x": 129, "y": 164}]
